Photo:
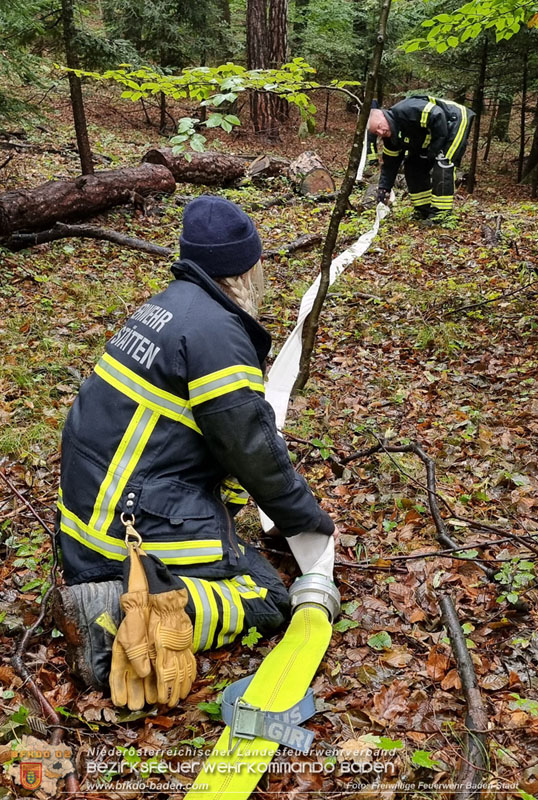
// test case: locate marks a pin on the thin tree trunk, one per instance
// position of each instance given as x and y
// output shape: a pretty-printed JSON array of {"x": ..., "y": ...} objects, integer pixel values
[
  {"x": 478, "y": 105},
  {"x": 530, "y": 172},
  {"x": 257, "y": 58},
  {"x": 502, "y": 123},
  {"x": 162, "y": 109},
  {"x": 493, "y": 111},
  {"x": 522, "y": 120},
  {"x": 278, "y": 51},
  {"x": 75, "y": 88},
  {"x": 312, "y": 321}
]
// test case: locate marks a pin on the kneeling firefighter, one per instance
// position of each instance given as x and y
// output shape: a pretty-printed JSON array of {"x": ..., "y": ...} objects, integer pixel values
[
  {"x": 430, "y": 136},
  {"x": 163, "y": 443}
]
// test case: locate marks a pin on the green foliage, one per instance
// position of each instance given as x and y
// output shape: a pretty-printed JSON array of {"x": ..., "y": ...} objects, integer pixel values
[
  {"x": 446, "y": 30},
  {"x": 515, "y": 574},
  {"x": 522, "y": 704},
  {"x": 421, "y": 758},
  {"x": 213, "y": 86},
  {"x": 212, "y": 709},
  {"x": 344, "y": 625},
  {"x": 380, "y": 641},
  {"x": 21, "y": 24},
  {"x": 170, "y": 33},
  {"x": 251, "y": 638}
]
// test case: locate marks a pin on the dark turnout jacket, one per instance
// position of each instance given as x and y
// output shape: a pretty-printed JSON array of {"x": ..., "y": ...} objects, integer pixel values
[
  {"x": 422, "y": 126},
  {"x": 174, "y": 408}
]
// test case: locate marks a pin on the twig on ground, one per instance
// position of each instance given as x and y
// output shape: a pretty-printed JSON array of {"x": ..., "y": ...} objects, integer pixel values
[
  {"x": 490, "y": 300},
  {"x": 470, "y": 776},
  {"x": 302, "y": 243}
]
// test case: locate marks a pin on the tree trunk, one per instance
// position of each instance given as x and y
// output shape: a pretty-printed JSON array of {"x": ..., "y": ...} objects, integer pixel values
[
  {"x": 478, "y": 105},
  {"x": 258, "y": 58},
  {"x": 75, "y": 88},
  {"x": 278, "y": 51},
  {"x": 312, "y": 321},
  {"x": 35, "y": 209},
  {"x": 530, "y": 173},
  {"x": 493, "y": 113},
  {"x": 502, "y": 122},
  {"x": 521, "y": 158},
  {"x": 162, "y": 110},
  {"x": 206, "y": 169}
]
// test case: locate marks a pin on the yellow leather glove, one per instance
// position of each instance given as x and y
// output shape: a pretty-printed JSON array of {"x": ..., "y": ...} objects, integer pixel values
[
  {"x": 132, "y": 682},
  {"x": 170, "y": 635}
]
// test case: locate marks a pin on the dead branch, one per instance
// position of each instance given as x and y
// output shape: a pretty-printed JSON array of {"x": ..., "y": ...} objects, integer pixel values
[
  {"x": 490, "y": 300},
  {"x": 302, "y": 243},
  {"x": 19, "y": 241},
  {"x": 443, "y": 535},
  {"x": 17, "y": 659},
  {"x": 6, "y": 161},
  {"x": 471, "y": 772}
]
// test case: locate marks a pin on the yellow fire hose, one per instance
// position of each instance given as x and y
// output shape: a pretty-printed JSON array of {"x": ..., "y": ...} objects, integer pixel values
[{"x": 280, "y": 682}]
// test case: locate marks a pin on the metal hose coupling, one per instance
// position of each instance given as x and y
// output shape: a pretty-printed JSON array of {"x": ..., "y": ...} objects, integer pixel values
[{"x": 315, "y": 588}]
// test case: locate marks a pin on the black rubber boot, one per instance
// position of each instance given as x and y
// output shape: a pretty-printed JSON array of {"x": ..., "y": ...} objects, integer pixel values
[
  {"x": 88, "y": 615},
  {"x": 422, "y": 212}
]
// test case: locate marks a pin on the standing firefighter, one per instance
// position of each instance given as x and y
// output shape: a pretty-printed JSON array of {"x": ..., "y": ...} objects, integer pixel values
[
  {"x": 430, "y": 135},
  {"x": 162, "y": 445}
]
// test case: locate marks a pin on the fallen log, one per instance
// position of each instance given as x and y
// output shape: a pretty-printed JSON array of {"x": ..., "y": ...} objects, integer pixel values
[
  {"x": 207, "y": 169},
  {"x": 39, "y": 208},
  {"x": 20, "y": 241},
  {"x": 310, "y": 175}
]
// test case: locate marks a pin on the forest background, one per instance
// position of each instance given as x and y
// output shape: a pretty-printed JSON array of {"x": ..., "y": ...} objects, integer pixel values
[{"x": 430, "y": 338}]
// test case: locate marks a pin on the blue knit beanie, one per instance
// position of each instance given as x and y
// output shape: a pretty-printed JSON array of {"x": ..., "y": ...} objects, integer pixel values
[{"x": 219, "y": 237}]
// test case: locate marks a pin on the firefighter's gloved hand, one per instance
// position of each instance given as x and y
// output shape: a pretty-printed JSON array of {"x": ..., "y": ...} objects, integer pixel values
[
  {"x": 131, "y": 681},
  {"x": 170, "y": 636},
  {"x": 383, "y": 196}
]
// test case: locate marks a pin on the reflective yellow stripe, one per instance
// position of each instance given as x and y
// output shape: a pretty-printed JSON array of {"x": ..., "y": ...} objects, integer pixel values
[
  {"x": 123, "y": 462},
  {"x": 427, "y": 140},
  {"x": 233, "y": 492},
  {"x": 224, "y": 381},
  {"x": 426, "y": 113},
  {"x": 145, "y": 393},
  {"x": 198, "y": 612},
  {"x": 182, "y": 552},
  {"x": 459, "y": 135},
  {"x": 387, "y": 152},
  {"x": 425, "y": 193}
]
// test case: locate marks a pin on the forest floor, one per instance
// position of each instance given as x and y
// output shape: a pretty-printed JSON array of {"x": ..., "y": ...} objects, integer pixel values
[{"x": 431, "y": 337}]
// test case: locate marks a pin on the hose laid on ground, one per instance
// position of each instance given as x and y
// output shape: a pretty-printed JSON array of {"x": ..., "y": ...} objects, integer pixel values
[{"x": 312, "y": 551}]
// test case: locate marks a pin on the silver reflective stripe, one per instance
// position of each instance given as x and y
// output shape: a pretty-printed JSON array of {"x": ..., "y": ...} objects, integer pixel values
[
  {"x": 244, "y": 588},
  {"x": 224, "y": 384},
  {"x": 205, "y": 627},
  {"x": 121, "y": 466},
  {"x": 72, "y": 528},
  {"x": 225, "y": 637},
  {"x": 140, "y": 391}
]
